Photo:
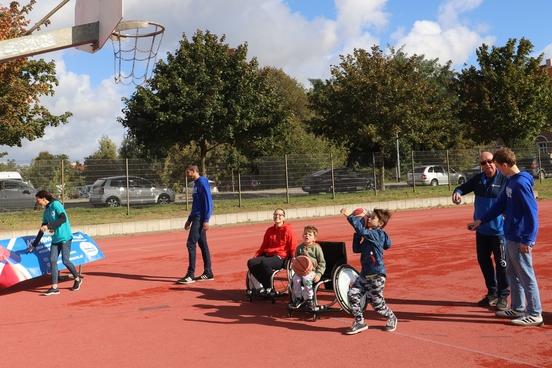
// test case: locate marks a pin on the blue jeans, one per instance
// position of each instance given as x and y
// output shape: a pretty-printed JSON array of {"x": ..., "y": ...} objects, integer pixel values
[
  {"x": 523, "y": 282},
  {"x": 65, "y": 249},
  {"x": 199, "y": 236},
  {"x": 494, "y": 275}
]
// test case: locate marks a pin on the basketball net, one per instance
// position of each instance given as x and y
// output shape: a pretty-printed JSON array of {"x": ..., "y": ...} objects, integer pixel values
[{"x": 135, "y": 48}]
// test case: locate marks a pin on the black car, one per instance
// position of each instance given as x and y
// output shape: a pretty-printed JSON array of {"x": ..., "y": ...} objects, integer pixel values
[
  {"x": 531, "y": 165},
  {"x": 346, "y": 180}
]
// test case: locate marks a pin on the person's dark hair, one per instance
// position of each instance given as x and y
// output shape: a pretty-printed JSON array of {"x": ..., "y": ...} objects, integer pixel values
[
  {"x": 505, "y": 156},
  {"x": 44, "y": 194},
  {"x": 383, "y": 215},
  {"x": 192, "y": 168}
]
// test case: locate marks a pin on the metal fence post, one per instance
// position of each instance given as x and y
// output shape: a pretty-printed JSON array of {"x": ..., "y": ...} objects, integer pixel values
[
  {"x": 448, "y": 168},
  {"x": 398, "y": 162},
  {"x": 382, "y": 172},
  {"x": 62, "y": 182},
  {"x": 127, "y": 187},
  {"x": 333, "y": 176},
  {"x": 287, "y": 178},
  {"x": 540, "y": 164},
  {"x": 413, "y": 176},
  {"x": 374, "y": 174},
  {"x": 239, "y": 190}
]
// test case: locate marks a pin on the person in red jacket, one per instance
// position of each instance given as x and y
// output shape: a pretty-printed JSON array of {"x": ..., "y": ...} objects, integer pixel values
[{"x": 278, "y": 244}]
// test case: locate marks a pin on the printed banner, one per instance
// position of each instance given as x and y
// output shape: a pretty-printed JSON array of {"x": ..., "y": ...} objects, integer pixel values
[{"x": 17, "y": 265}]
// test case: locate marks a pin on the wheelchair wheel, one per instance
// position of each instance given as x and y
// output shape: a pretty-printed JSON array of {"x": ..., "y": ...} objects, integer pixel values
[{"x": 343, "y": 278}]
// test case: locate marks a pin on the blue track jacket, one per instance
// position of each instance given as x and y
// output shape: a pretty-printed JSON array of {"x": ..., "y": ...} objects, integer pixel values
[
  {"x": 486, "y": 190},
  {"x": 519, "y": 206},
  {"x": 370, "y": 243},
  {"x": 202, "y": 202}
]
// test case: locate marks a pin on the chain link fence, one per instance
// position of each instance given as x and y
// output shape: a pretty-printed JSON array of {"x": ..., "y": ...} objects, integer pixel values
[{"x": 134, "y": 182}]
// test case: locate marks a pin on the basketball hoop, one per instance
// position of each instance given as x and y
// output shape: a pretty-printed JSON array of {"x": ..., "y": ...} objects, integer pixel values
[{"x": 135, "y": 48}]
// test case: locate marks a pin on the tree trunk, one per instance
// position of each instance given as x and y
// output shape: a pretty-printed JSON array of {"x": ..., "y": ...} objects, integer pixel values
[{"x": 203, "y": 152}]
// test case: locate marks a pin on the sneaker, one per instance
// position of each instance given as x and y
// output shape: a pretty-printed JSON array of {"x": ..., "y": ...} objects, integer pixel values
[
  {"x": 502, "y": 303},
  {"x": 205, "y": 277},
  {"x": 488, "y": 301},
  {"x": 529, "y": 321},
  {"x": 77, "y": 284},
  {"x": 509, "y": 313},
  {"x": 311, "y": 306},
  {"x": 391, "y": 324},
  {"x": 356, "y": 328},
  {"x": 188, "y": 279},
  {"x": 51, "y": 291}
]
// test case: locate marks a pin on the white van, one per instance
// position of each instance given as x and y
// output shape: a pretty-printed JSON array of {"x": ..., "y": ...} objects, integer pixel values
[{"x": 10, "y": 175}]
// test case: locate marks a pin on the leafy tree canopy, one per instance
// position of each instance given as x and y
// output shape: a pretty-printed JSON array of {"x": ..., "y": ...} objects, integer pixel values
[
  {"x": 509, "y": 98},
  {"x": 22, "y": 83},
  {"x": 207, "y": 93},
  {"x": 372, "y": 98}
]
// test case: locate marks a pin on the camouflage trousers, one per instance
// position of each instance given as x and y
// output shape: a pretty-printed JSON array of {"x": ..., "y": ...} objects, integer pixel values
[{"x": 372, "y": 286}]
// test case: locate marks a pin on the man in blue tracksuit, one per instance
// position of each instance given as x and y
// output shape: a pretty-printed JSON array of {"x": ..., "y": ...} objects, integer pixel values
[
  {"x": 521, "y": 223},
  {"x": 198, "y": 224},
  {"x": 489, "y": 238}
]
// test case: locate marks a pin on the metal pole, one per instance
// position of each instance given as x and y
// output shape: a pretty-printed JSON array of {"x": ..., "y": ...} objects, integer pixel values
[
  {"x": 186, "y": 191},
  {"x": 127, "y": 187},
  {"x": 448, "y": 169},
  {"x": 333, "y": 177},
  {"x": 287, "y": 178},
  {"x": 382, "y": 172},
  {"x": 540, "y": 164},
  {"x": 398, "y": 161},
  {"x": 239, "y": 190},
  {"x": 62, "y": 182},
  {"x": 374, "y": 174},
  {"x": 413, "y": 176}
]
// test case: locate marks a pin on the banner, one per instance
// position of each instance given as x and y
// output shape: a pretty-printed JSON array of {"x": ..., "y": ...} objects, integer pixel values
[{"x": 17, "y": 265}]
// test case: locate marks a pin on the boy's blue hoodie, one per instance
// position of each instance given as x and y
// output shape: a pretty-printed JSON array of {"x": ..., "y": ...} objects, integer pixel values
[
  {"x": 370, "y": 243},
  {"x": 519, "y": 206}
]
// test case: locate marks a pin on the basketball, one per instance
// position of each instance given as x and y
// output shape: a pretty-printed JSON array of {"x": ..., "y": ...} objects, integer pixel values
[
  {"x": 301, "y": 265},
  {"x": 358, "y": 212}
]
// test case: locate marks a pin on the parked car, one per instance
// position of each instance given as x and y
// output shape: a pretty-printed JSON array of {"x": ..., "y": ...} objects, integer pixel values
[
  {"x": 531, "y": 165},
  {"x": 345, "y": 179},
  {"x": 112, "y": 191},
  {"x": 16, "y": 195},
  {"x": 434, "y": 175}
]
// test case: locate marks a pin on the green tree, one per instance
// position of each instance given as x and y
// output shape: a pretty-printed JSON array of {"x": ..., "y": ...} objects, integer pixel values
[
  {"x": 103, "y": 162},
  {"x": 45, "y": 172},
  {"x": 509, "y": 97},
  {"x": 372, "y": 98},
  {"x": 22, "y": 84},
  {"x": 107, "y": 150},
  {"x": 207, "y": 93}
]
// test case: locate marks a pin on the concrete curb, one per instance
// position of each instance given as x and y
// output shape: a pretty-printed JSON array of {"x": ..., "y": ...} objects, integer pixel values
[{"x": 123, "y": 228}]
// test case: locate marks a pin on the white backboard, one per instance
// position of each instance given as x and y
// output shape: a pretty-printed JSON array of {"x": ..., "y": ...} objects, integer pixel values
[{"x": 108, "y": 12}]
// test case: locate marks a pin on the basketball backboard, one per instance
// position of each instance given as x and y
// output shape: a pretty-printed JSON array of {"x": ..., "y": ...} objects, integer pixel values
[{"x": 108, "y": 12}]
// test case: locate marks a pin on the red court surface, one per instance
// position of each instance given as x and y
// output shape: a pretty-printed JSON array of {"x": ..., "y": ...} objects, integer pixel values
[{"x": 129, "y": 312}]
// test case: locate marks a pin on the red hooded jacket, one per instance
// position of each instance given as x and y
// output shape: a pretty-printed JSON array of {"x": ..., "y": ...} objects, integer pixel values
[{"x": 278, "y": 241}]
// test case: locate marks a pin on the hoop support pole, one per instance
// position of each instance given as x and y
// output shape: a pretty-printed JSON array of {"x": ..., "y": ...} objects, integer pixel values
[{"x": 43, "y": 42}]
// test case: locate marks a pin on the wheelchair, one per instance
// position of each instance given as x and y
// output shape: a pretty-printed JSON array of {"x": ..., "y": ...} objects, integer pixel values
[
  {"x": 278, "y": 283},
  {"x": 336, "y": 281}
]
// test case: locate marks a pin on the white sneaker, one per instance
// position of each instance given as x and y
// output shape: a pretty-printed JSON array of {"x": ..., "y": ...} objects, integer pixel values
[
  {"x": 529, "y": 321},
  {"x": 509, "y": 313}
]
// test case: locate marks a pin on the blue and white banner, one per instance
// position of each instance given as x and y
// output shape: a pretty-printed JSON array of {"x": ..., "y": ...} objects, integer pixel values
[{"x": 17, "y": 264}]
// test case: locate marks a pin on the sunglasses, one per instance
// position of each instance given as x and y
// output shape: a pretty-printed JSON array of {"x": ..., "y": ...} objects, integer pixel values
[{"x": 485, "y": 162}]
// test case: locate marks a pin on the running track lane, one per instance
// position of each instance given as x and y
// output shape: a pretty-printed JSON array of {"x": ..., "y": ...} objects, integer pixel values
[{"x": 129, "y": 312}]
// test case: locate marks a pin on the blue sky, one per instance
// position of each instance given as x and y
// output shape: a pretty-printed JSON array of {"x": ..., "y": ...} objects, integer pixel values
[{"x": 303, "y": 37}]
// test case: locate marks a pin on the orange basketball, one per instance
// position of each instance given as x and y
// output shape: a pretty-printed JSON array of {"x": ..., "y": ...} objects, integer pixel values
[
  {"x": 358, "y": 211},
  {"x": 301, "y": 265}
]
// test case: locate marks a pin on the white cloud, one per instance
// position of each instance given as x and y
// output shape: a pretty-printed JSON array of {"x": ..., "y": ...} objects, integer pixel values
[
  {"x": 447, "y": 39},
  {"x": 547, "y": 52},
  {"x": 94, "y": 113}
]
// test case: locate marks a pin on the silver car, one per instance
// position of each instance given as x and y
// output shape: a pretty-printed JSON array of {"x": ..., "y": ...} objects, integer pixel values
[
  {"x": 16, "y": 195},
  {"x": 434, "y": 175},
  {"x": 112, "y": 191}
]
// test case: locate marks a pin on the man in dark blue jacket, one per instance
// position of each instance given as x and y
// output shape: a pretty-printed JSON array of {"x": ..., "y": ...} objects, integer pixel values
[
  {"x": 489, "y": 238},
  {"x": 198, "y": 224},
  {"x": 521, "y": 224}
]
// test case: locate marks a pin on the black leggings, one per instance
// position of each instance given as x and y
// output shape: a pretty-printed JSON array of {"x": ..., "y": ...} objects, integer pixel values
[{"x": 262, "y": 267}]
